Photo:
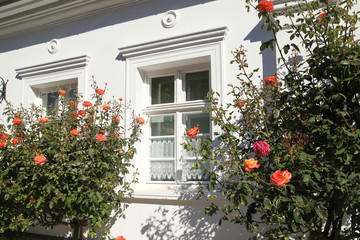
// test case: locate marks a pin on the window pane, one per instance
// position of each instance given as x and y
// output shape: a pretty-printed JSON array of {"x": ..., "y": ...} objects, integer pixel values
[
  {"x": 197, "y": 85},
  {"x": 162, "y": 125},
  {"x": 162, "y": 170},
  {"x": 52, "y": 102},
  {"x": 162, "y": 148},
  {"x": 162, "y": 90},
  {"x": 201, "y": 119},
  {"x": 195, "y": 174}
]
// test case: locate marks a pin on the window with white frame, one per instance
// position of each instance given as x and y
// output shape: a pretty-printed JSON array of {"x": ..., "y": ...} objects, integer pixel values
[{"x": 170, "y": 94}]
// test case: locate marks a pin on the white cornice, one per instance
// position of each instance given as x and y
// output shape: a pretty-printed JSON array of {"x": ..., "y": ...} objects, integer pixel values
[
  {"x": 25, "y": 16},
  {"x": 193, "y": 39},
  {"x": 70, "y": 63}
]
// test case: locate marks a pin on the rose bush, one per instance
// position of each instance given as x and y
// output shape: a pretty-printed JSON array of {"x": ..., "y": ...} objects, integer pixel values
[
  {"x": 68, "y": 167},
  {"x": 288, "y": 161}
]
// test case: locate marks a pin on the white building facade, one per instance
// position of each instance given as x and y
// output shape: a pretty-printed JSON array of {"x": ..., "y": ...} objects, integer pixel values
[{"x": 163, "y": 56}]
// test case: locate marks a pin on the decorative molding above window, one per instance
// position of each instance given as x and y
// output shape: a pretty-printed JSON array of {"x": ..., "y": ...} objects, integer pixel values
[
  {"x": 193, "y": 39},
  {"x": 70, "y": 63}
]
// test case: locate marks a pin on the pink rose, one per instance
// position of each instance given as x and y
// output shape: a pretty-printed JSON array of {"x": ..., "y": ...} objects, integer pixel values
[{"x": 261, "y": 149}]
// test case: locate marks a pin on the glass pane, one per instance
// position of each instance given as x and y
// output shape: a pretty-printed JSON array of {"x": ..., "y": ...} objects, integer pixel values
[
  {"x": 72, "y": 94},
  {"x": 201, "y": 119},
  {"x": 162, "y": 148},
  {"x": 52, "y": 102},
  {"x": 162, "y": 170},
  {"x": 162, "y": 125},
  {"x": 197, "y": 85},
  {"x": 194, "y": 175},
  {"x": 162, "y": 90}
]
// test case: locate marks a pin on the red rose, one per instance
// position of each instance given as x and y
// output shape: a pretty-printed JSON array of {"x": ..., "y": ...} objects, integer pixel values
[
  {"x": 261, "y": 149},
  {"x": 74, "y": 132},
  {"x": 15, "y": 141},
  {"x": 17, "y": 121},
  {"x": 116, "y": 119},
  {"x": 44, "y": 120},
  {"x": 40, "y": 159},
  {"x": 120, "y": 238},
  {"x": 321, "y": 15},
  {"x": 100, "y": 137},
  {"x": 140, "y": 120},
  {"x": 61, "y": 92},
  {"x": 4, "y": 136},
  {"x": 99, "y": 91},
  {"x": 105, "y": 107},
  {"x": 265, "y": 6},
  {"x": 73, "y": 104},
  {"x": 250, "y": 164},
  {"x": 280, "y": 178},
  {"x": 87, "y": 104},
  {"x": 82, "y": 113},
  {"x": 193, "y": 132},
  {"x": 3, "y": 143},
  {"x": 239, "y": 104},
  {"x": 74, "y": 115},
  {"x": 271, "y": 81}
]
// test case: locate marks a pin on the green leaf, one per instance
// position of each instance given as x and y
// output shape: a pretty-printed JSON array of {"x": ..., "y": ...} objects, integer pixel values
[{"x": 267, "y": 203}]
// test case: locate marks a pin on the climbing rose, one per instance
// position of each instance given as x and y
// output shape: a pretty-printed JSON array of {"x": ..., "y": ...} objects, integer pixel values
[
  {"x": 40, "y": 159},
  {"x": 15, "y": 141},
  {"x": 4, "y": 136},
  {"x": 239, "y": 103},
  {"x": 99, "y": 91},
  {"x": 73, "y": 104},
  {"x": 105, "y": 107},
  {"x": 321, "y": 15},
  {"x": 3, "y": 143},
  {"x": 121, "y": 99},
  {"x": 87, "y": 104},
  {"x": 74, "y": 132},
  {"x": 250, "y": 164},
  {"x": 265, "y": 6},
  {"x": 193, "y": 132},
  {"x": 61, "y": 92},
  {"x": 271, "y": 81},
  {"x": 100, "y": 137},
  {"x": 140, "y": 120},
  {"x": 17, "y": 121},
  {"x": 82, "y": 113},
  {"x": 116, "y": 119},
  {"x": 280, "y": 178},
  {"x": 120, "y": 238},
  {"x": 261, "y": 149},
  {"x": 44, "y": 120}
]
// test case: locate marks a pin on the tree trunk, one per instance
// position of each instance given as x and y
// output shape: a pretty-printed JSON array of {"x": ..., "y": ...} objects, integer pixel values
[{"x": 78, "y": 232}]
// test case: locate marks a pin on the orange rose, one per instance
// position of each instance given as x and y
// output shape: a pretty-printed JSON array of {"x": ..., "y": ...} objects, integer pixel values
[
  {"x": 74, "y": 132},
  {"x": 239, "y": 104},
  {"x": 120, "y": 238},
  {"x": 321, "y": 15},
  {"x": 116, "y": 119},
  {"x": 265, "y": 6},
  {"x": 73, "y": 104},
  {"x": 250, "y": 164},
  {"x": 87, "y": 104},
  {"x": 3, "y": 143},
  {"x": 193, "y": 132},
  {"x": 17, "y": 115},
  {"x": 74, "y": 115},
  {"x": 99, "y": 91},
  {"x": 100, "y": 137},
  {"x": 61, "y": 92},
  {"x": 140, "y": 120},
  {"x": 105, "y": 107},
  {"x": 82, "y": 113},
  {"x": 40, "y": 159},
  {"x": 15, "y": 141},
  {"x": 17, "y": 121},
  {"x": 44, "y": 120},
  {"x": 271, "y": 81},
  {"x": 4, "y": 136},
  {"x": 280, "y": 178},
  {"x": 121, "y": 99}
]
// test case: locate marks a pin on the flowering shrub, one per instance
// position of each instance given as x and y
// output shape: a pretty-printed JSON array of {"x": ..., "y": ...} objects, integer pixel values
[
  {"x": 66, "y": 168},
  {"x": 288, "y": 162}
]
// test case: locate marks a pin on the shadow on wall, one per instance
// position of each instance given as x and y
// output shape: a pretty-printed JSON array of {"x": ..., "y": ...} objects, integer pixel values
[{"x": 114, "y": 17}]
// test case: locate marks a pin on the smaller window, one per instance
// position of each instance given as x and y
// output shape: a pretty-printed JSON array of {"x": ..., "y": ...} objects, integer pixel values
[
  {"x": 197, "y": 85},
  {"x": 162, "y": 90},
  {"x": 50, "y": 100}
]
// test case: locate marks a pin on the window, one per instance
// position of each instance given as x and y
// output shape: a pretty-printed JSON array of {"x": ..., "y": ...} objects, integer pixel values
[
  {"x": 50, "y": 97},
  {"x": 168, "y": 161}
]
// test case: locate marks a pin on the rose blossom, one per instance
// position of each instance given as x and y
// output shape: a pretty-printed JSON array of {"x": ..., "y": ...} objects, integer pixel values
[
  {"x": 3, "y": 143},
  {"x": 271, "y": 81},
  {"x": 87, "y": 104},
  {"x": 321, "y": 15},
  {"x": 15, "y": 141},
  {"x": 44, "y": 120},
  {"x": 121, "y": 99},
  {"x": 261, "y": 149},
  {"x": 61, "y": 92},
  {"x": 82, "y": 113},
  {"x": 120, "y": 238},
  {"x": 193, "y": 132},
  {"x": 140, "y": 120},
  {"x": 116, "y": 119},
  {"x": 17, "y": 121},
  {"x": 250, "y": 164},
  {"x": 280, "y": 178},
  {"x": 239, "y": 103},
  {"x": 100, "y": 137},
  {"x": 4, "y": 136},
  {"x": 40, "y": 159},
  {"x": 265, "y": 6},
  {"x": 99, "y": 91},
  {"x": 74, "y": 132},
  {"x": 105, "y": 107}
]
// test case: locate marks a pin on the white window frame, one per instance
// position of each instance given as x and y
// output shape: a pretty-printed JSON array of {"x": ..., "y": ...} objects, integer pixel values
[
  {"x": 40, "y": 78},
  {"x": 161, "y": 56}
]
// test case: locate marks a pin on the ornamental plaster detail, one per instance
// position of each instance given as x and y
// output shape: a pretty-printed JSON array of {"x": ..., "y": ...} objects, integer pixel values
[{"x": 170, "y": 19}]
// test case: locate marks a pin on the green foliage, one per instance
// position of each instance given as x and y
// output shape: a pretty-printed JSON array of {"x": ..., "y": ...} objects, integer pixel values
[
  {"x": 311, "y": 120},
  {"x": 82, "y": 181}
]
